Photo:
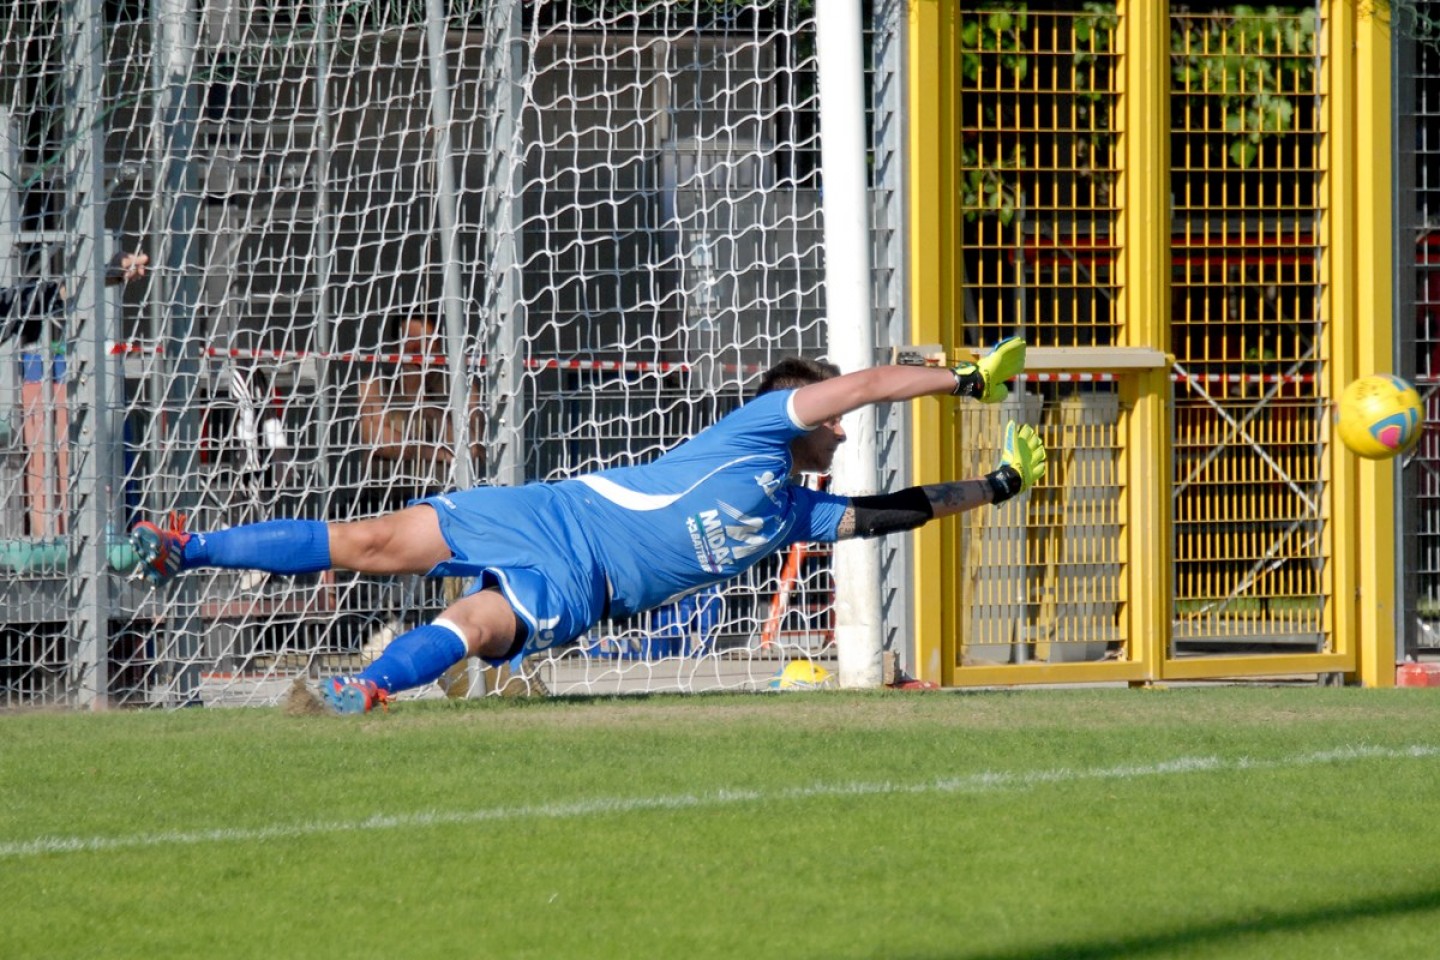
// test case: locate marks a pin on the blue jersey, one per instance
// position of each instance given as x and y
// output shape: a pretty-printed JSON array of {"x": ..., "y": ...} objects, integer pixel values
[
  {"x": 704, "y": 512},
  {"x": 624, "y": 540}
]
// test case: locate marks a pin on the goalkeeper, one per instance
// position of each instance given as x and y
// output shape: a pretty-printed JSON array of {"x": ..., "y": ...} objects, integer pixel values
[{"x": 549, "y": 560}]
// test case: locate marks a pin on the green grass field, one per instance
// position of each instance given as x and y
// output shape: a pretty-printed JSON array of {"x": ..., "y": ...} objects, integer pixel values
[{"x": 1198, "y": 822}]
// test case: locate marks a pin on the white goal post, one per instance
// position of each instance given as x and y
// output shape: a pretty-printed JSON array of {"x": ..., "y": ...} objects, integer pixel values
[{"x": 401, "y": 245}]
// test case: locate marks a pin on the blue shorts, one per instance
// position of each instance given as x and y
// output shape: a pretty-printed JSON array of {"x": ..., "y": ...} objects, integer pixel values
[{"x": 525, "y": 541}]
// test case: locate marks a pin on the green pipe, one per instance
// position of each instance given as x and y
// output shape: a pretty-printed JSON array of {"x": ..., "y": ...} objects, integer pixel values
[{"x": 53, "y": 556}]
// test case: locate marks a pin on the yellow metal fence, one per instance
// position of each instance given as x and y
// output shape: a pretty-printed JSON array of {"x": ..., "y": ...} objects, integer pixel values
[{"x": 1151, "y": 199}]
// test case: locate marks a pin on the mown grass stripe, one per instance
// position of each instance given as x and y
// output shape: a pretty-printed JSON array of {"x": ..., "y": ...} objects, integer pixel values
[{"x": 988, "y": 781}]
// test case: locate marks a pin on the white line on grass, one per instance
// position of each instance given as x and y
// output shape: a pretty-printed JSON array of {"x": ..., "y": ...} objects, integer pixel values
[{"x": 989, "y": 781}]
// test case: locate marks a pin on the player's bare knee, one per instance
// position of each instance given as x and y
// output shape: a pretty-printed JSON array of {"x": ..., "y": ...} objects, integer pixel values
[
  {"x": 492, "y": 644},
  {"x": 487, "y": 621},
  {"x": 485, "y": 636}
]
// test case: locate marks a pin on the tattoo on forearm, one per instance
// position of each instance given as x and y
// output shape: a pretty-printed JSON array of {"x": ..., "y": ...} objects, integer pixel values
[{"x": 958, "y": 496}]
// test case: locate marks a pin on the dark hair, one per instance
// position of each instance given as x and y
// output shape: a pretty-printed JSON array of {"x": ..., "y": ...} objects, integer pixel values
[
  {"x": 395, "y": 324},
  {"x": 795, "y": 372}
]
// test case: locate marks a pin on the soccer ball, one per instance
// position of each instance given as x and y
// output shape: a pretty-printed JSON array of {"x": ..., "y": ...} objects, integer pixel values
[
  {"x": 801, "y": 675},
  {"x": 1380, "y": 416}
]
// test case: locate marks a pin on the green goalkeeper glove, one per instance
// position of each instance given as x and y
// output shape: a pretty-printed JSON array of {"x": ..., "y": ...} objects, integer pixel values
[
  {"x": 985, "y": 381},
  {"x": 1022, "y": 462}
]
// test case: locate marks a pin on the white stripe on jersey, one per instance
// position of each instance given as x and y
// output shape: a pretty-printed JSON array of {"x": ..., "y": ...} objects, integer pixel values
[{"x": 635, "y": 500}]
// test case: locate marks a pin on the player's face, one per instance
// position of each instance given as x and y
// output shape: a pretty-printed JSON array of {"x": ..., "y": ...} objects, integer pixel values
[
  {"x": 815, "y": 451},
  {"x": 420, "y": 339}
]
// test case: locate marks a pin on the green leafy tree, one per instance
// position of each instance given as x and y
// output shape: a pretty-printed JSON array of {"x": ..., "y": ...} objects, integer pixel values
[
  {"x": 992, "y": 42},
  {"x": 1251, "y": 63}
]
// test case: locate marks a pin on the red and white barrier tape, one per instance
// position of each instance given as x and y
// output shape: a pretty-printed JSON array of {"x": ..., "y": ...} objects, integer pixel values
[{"x": 643, "y": 366}]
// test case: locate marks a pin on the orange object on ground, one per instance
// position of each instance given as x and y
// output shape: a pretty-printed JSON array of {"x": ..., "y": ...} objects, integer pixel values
[{"x": 1418, "y": 675}]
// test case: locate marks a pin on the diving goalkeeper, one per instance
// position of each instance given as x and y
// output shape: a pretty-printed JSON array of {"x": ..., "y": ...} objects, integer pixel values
[{"x": 549, "y": 560}]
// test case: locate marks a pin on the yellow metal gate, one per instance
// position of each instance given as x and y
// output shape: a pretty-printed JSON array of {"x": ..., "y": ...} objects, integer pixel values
[{"x": 1186, "y": 215}]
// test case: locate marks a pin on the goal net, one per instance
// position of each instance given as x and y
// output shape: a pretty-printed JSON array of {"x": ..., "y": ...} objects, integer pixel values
[{"x": 391, "y": 253}]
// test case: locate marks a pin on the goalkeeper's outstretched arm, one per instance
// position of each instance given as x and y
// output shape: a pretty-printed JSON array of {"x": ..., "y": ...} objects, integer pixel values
[
  {"x": 1022, "y": 462},
  {"x": 817, "y": 403}
]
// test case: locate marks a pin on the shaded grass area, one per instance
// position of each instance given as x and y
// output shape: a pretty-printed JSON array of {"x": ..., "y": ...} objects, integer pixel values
[{"x": 1008, "y": 825}]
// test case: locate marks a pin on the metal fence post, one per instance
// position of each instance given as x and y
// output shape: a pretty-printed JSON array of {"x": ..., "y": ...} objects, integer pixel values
[
  {"x": 175, "y": 212},
  {"x": 447, "y": 202},
  {"x": 91, "y": 505},
  {"x": 505, "y": 317}
]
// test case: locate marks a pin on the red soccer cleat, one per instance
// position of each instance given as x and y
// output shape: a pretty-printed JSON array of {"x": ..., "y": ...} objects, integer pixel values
[
  {"x": 350, "y": 695},
  {"x": 162, "y": 552}
]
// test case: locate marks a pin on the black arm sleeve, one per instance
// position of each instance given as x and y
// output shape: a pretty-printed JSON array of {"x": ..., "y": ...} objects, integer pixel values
[
  {"x": 891, "y": 512},
  {"x": 24, "y": 308}
]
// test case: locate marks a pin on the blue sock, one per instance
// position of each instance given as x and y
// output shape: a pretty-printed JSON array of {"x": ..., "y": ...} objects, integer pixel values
[
  {"x": 417, "y": 657},
  {"x": 279, "y": 546}
]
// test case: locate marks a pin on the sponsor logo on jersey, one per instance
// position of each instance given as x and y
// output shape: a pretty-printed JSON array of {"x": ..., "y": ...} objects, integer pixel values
[
  {"x": 723, "y": 536},
  {"x": 770, "y": 485}
]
